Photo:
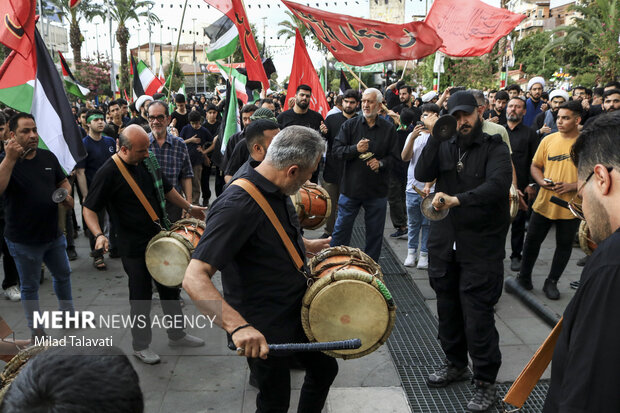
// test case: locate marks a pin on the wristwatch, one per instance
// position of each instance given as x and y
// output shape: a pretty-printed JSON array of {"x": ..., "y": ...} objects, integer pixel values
[{"x": 189, "y": 208}]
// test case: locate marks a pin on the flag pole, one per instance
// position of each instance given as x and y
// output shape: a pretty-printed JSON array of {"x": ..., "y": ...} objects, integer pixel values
[
  {"x": 176, "y": 52},
  {"x": 404, "y": 70}
]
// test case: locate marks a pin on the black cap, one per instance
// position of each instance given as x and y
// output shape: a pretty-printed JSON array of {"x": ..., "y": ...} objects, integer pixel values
[
  {"x": 210, "y": 106},
  {"x": 462, "y": 101}
]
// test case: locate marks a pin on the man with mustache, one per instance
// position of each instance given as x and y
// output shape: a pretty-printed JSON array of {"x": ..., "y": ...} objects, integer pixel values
[
  {"x": 546, "y": 122},
  {"x": 466, "y": 249}
]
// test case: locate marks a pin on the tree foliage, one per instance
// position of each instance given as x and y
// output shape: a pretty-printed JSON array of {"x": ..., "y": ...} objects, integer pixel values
[
  {"x": 178, "y": 78},
  {"x": 94, "y": 75}
]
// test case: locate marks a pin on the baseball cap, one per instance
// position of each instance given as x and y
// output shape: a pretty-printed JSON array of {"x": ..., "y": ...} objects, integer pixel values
[{"x": 462, "y": 101}]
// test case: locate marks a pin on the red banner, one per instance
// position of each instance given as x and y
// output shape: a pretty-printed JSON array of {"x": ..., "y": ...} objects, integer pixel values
[
  {"x": 303, "y": 72},
  {"x": 470, "y": 27},
  {"x": 17, "y": 26},
  {"x": 361, "y": 42},
  {"x": 236, "y": 12}
]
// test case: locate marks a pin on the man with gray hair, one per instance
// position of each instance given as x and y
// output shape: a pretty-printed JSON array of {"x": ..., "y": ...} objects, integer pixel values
[
  {"x": 368, "y": 147},
  {"x": 263, "y": 288}
]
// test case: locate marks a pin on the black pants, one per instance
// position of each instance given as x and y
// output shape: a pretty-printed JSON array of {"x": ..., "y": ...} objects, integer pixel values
[
  {"x": 274, "y": 382},
  {"x": 204, "y": 184},
  {"x": 466, "y": 294},
  {"x": 565, "y": 230},
  {"x": 11, "y": 276},
  {"x": 140, "y": 293},
  {"x": 517, "y": 234},
  {"x": 219, "y": 181},
  {"x": 397, "y": 201}
]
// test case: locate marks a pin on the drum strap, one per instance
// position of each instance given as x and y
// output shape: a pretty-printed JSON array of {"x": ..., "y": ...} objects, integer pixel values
[
  {"x": 135, "y": 188},
  {"x": 524, "y": 384},
  {"x": 251, "y": 189}
]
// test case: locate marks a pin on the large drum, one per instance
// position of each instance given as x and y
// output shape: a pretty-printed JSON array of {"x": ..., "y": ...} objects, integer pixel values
[
  {"x": 313, "y": 206},
  {"x": 514, "y": 202},
  {"x": 585, "y": 242},
  {"x": 347, "y": 300},
  {"x": 169, "y": 252}
]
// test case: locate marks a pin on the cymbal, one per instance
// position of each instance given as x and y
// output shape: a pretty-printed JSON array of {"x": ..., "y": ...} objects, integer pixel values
[
  {"x": 429, "y": 211},
  {"x": 59, "y": 195},
  {"x": 444, "y": 128}
]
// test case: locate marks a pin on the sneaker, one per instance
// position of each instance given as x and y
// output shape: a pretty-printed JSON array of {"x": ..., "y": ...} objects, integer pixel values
[
  {"x": 72, "y": 254},
  {"x": 12, "y": 293},
  {"x": 551, "y": 289},
  {"x": 447, "y": 374},
  {"x": 582, "y": 261},
  {"x": 423, "y": 261},
  {"x": 399, "y": 234},
  {"x": 515, "y": 264},
  {"x": 485, "y": 396},
  {"x": 411, "y": 258},
  {"x": 187, "y": 341},
  {"x": 526, "y": 283},
  {"x": 147, "y": 356}
]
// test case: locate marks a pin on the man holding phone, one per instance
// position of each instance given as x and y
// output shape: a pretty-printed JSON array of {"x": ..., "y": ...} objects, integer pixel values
[{"x": 556, "y": 174}]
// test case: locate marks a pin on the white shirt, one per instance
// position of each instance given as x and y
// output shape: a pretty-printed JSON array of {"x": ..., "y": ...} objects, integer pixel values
[{"x": 418, "y": 145}]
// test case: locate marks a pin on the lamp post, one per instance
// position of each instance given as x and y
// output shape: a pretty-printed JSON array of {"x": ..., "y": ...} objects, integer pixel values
[{"x": 97, "y": 37}]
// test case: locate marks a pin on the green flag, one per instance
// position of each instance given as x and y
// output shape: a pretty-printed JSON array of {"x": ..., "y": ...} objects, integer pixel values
[{"x": 232, "y": 116}]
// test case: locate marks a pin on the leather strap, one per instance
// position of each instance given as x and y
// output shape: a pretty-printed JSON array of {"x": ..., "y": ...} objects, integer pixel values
[
  {"x": 251, "y": 189},
  {"x": 524, "y": 384},
  {"x": 135, "y": 188}
]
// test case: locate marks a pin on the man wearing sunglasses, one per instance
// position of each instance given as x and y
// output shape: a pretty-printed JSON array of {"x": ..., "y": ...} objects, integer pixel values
[{"x": 584, "y": 371}]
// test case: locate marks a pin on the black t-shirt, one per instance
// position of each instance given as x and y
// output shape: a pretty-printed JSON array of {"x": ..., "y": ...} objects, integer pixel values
[
  {"x": 491, "y": 113},
  {"x": 182, "y": 120},
  {"x": 110, "y": 189},
  {"x": 214, "y": 129},
  {"x": 195, "y": 157},
  {"x": 98, "y": 152},
  {"x": 333, "y": 166},
  {"x": 584, "y": 371},
  {"x": 31, "y": 215},
  {"x": 259, "y": 278},
  {"x": 237, "y": 158},
  {"x": 310, "y": 119},
  {"x": 140, "y": 121}
]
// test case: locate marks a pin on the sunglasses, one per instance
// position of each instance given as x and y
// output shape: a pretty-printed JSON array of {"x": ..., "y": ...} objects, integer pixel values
[{"x": 575, "y": 205}]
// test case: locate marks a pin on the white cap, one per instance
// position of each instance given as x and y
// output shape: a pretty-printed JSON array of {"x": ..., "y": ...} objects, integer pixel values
[
  {"x": 140, "y": 101},
  {"x": 427, "y": 97},
  {"x": 535, "y": 80},
  {"x": 558, "y": 92}
]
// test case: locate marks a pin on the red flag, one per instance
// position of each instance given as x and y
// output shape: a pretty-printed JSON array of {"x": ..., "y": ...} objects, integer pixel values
[
  {"x": 362, "y": 42},
  {"x": 73, "y": 3},
  {"x": 470, "y": 27},
  {"x": 303, "y": 73},
  {"x": 17, "y": 26},
  {"x": 253, "y": 63}
]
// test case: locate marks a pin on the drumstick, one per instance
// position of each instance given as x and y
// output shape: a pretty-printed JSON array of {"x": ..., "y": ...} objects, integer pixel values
[
  {"x": 422, "y": 194},
  {"x": 350, "y": 344}
]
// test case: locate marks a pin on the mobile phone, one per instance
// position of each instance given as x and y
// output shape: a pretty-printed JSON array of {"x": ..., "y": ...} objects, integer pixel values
[
  {"x": 418, "y": 123},
  {"x": 549, "y": 181}
]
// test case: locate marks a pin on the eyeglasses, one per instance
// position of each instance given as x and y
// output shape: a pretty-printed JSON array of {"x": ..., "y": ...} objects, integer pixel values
[
  {"x": 575, "y": 204},
  {"x": 158, "y": 118}
]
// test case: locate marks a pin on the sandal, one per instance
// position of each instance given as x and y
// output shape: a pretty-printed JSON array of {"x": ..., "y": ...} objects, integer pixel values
[{"x": 99, "y": 264}]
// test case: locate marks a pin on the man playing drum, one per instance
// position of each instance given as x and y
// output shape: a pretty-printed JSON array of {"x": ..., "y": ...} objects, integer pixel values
[
  {"x": 263, "y": 289},
  {"x": 136, "y": 228}
]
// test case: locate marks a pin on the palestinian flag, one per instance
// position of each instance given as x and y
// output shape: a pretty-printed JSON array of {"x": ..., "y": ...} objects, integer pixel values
[
  {"x": 181, "y": 90},
  {"x": 144, "y": 81},
  {"x": 71, "y": 84},
  {"x": 239, "y": 81},
  {"x": 231, "y": 117},
  {"x": 224, "y": 39},
  {"x": 33, "y": 85},
  {"x": 344, "y": 84}
]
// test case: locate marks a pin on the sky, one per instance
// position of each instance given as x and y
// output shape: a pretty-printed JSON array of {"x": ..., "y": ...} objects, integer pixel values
[{"x": 263, "y": 14}]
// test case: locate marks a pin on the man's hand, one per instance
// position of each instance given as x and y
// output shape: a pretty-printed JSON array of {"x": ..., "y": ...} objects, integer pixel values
[
  {"x": 13, "y": 150},
  {"x": 373, "y": 164},
  {"x": 563, "y": 188},
  {"x": 362, "y": 146},
  {"x": 194, "y": 139},
  {"x": 102, "y": 243},
  {"x": 522, "y": 203},
  {"x": 494, "y": 119},
  {"x": 314, "y": 246},
  {"x": 198, "y": 212},
  {"x": 430, "y": 120},
  {"x": 448, "y": 201},
  {"x": 545, "y": 130},
  {"x": 530, "y": 191},
  {"x": 68, "y": 202},
  {"x": 427, "y": 189},
  {"x": 323, "y": 128},
  {"x": 585, "y": 104},
  {"x": 544, "y": 106},
  {"x": 417, "y": 131},
  {"x": 252, "y": 342}
]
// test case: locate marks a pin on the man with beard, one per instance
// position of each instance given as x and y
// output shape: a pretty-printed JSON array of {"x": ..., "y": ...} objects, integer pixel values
[
  {"x": 365, "y": 181},
  {"x": 333, "y": 166},
  {"x": 142, "y": 106},
  {"x": 533, "y": 104},
  {"x": 524, "y": 142},
  {"x": 404, "y": 95},
  {"x": 466, "y": 249},
  {"x": 263, "y": 287},
  {"x": 497, "y": 114},
  {"x": 556, "y": 175},
  {"x": 611, "y": 100},
  {"x": 586, "y": 358},
  {"x": 545, "y": 122}
]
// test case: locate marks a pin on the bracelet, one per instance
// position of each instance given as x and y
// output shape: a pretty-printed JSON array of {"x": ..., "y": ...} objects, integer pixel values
[
  {"x": 98, "y": 235},
  {"x": 189, "y": 208},
  {"x": 239, "y": 328}
]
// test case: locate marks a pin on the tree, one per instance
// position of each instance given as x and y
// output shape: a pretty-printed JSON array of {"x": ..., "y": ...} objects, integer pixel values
[
  {"x": 85, "y": 10},
  {"x": 178, "y": 78},
  {"x": 288, "y": 32},
  {"x": 597, "y": 30},
  {"x": 123, "y": 12},
  {"x": 95, "y": 75},
  {"x": 530, "y": 52}
]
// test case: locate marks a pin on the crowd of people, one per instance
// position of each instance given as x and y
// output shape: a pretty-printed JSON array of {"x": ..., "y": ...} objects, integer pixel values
[{"x": 148, "y": 166}]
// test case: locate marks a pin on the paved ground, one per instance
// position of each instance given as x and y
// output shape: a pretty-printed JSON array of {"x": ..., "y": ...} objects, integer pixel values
[{"x": 213, "y": 379}]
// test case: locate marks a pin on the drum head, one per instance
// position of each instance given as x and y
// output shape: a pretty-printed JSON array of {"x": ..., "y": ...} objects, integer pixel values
[
  {"x": 336, "y": 314},
  {"x": 167, "y": 259}
]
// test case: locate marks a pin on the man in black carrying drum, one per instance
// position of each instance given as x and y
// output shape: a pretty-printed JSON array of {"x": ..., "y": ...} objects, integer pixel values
[
  {"x": 263, "y": 288},
  {"x": 136, "y": 228}
]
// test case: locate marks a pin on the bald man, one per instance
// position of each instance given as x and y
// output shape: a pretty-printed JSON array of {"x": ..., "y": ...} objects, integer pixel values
[{"x": 135, "y": 229}]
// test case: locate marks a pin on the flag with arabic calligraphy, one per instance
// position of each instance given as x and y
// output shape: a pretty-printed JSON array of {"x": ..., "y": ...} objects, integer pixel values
[
  {"x": 470, "y": 27},
  {"x": 361, "y": 42}
]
